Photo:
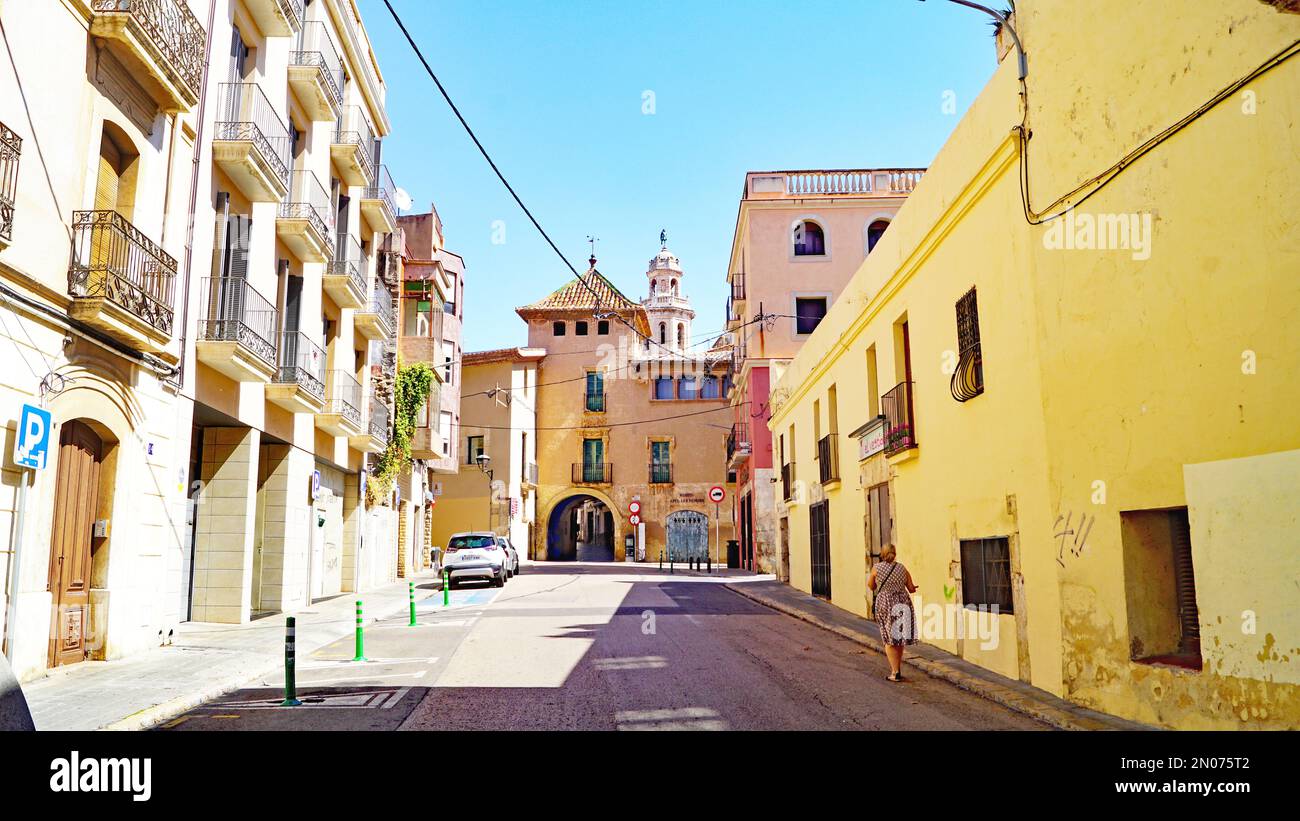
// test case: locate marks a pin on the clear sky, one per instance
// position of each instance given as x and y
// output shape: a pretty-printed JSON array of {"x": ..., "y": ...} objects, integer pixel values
[{"x": 555, "y": 90}]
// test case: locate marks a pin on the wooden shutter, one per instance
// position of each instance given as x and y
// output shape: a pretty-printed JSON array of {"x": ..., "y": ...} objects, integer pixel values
[{"x": 110, "y": 175}]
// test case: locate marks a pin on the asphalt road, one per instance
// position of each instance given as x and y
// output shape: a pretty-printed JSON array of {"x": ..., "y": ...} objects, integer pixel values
[{"x": 602, "y": 648}]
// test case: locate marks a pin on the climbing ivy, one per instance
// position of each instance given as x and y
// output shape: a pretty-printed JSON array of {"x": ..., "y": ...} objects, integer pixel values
[{"x": 411, "y": 390}]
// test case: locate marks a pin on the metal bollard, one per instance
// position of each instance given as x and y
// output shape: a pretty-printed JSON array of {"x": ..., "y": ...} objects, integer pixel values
[
  {"x": 290, "y": 654},
  {"x": 413, "y": 622},
  {"x": 661, "y": 560},
  {"x": 361, "y": 654},
  {"x": 671, "y": 558},
  {"x": 446, "y": 587},
  {"x": 709, "y": 559}
]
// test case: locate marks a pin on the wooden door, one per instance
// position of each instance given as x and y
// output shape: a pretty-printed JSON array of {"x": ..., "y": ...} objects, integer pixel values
[{"x": 76, "y": 496}]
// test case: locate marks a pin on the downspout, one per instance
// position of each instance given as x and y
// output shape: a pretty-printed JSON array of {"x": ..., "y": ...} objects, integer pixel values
[{"x": 195, "y": 163}]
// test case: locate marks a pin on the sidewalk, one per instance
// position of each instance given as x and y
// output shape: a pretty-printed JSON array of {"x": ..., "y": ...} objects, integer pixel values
[
  {"x": 204, "y": 661},
  {"x": 1010, "y": 693}
]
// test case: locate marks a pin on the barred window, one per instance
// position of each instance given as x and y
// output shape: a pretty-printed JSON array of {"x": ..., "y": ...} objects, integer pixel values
[
  {"x": 986, "y": 573},
  {"x": 968, "y": 379}
]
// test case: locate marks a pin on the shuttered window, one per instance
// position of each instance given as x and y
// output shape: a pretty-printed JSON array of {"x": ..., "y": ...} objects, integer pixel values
[{"x": 986, "y": 573}]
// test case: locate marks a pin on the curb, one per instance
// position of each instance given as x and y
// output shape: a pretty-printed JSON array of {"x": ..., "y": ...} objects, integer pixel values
[
  {"x": 1006, "y": 696},
  {"x": 151, "y": 717}
]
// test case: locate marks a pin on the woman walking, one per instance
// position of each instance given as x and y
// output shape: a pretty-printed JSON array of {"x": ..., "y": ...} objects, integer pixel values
[{"x": 892, "y": 585}]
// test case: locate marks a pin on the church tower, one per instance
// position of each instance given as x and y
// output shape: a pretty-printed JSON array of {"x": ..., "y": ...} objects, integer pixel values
[{"x": 667, "y": 307}]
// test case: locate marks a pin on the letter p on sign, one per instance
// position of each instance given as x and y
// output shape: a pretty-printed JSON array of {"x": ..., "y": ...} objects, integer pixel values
[{"x": 32, "y": 445}]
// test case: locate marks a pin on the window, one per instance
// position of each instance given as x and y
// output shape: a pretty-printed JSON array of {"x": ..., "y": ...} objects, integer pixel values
[
  {"x": 664, "y": 387},
  {"x": 873, "y": 384},
  {"x": 875, "y": 231},
  {"x": 445, "y": 425},
  {"x": 473, "y": 447},
  {"x": 557, "y": 329},
  {"x": 661, "y": 470},
  {"x": 809, "y": 312},
  {"x": 968, "y": 380},
  {"x": 602, "y": 327},
  {"x": 809, "y": 241},
  {"x": 663, "y": 333},
  {"x": 450, "y": 348},
  {"x": 880, "y": 522},
  {"x": 986, "y": 573},
  {"x": 580, "y": 328},
  {"x": 422, "y": 416},
  {"x": 688, "y": 388},
  {"x": 595, "y": 392},
  {"x": 681, "y": 336},
  {"x": 711, "y": 388},
  {"x": 1160, "y": 583}
]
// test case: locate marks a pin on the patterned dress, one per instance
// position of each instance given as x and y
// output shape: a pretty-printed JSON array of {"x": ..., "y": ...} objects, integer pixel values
[{"x": 893, "y": 605}]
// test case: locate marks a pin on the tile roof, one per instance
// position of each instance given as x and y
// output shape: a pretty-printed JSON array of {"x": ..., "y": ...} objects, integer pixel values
[{"x": 575, "y": 296}]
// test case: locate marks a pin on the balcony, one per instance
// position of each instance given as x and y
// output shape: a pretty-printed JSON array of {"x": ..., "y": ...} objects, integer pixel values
[
  {"x": 375, "y": 321},
  {"x": 120, "y": 281},
  {"x": 530, "y": 474},
  {"x": 342, "y": 413},
  {"x": 276, "y": 18},
  {"x": 160, "y": 42},
  {"x": 426, "y": 441},
  {"x": 884, "y": 183},
  {"x": 345, "y": 278},
  {"x": 421, "y": 349},
  {"x": 593, "y": 473},
  {"x": 251, "y": 143},
  {"x": 739, "y": 445},
  {"x": 237, "y": 330},
  {"x": 787, "y": 481},
  {"x": 900, "y": 427},
  {"x": 299, "y": 383},
  {"x": 661, "y": 474},
  {"x": 828, "y": 459},
  {"x": 305, "y": 221},
  {"x": 595, "y": 403},
  {"x": 353, "y": 148},
  {"x": 666, "y": 300},
  {"x": 375, "y": 437},
  {"x": 738, "y": 288},
  {"x": 11, "y": 148},
  {"x": 379, "y": 203},
  {"x": 316, "y": 73}
]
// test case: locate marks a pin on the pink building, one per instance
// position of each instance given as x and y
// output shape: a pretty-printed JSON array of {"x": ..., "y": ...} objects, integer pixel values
[{"x": 800, "y": 236}]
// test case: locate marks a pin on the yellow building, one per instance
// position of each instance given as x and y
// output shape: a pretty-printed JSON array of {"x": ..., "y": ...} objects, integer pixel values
[
  {"x": 1087, "y": 421},
  {"x": 628, "y": 417},
  {"x": 499, "y": 419}
]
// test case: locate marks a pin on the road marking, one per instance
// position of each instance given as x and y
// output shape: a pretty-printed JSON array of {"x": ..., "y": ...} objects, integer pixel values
[
  {"x": 176, "y": 722},
  {"x": 330, "y": 664},
  {"x": 397, "y": 696}
]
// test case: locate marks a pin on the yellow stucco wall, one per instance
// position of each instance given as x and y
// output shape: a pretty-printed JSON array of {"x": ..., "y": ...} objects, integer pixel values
[{"x": 1111, "y": 376}]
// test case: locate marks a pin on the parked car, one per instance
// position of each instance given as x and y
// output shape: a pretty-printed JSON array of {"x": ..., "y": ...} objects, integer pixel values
[
  {"x": 513, "y": 566},
  {"x": 475, "y": 555}
]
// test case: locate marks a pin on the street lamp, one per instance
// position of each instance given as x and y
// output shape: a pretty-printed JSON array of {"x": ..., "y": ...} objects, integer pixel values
[{"x": 483, "y": 460}]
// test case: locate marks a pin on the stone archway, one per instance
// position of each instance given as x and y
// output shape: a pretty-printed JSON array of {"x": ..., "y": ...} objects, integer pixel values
[{"x": 580, "y": 527}]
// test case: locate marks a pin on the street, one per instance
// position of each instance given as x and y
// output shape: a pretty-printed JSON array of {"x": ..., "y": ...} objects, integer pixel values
[{"x": 600, "y": 647}]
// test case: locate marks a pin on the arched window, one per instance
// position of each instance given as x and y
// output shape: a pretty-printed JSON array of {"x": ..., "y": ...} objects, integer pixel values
[
  {"x": 654, "y": 286},
  {"x": 674, "y": 287},
  {"x": 681, "y": 335},
  {"x": 116, "y": 177},
  {"x": 875, "y": 231},
  {"x": 809, "y": 240},
  {"x": 663, "y": 333}
]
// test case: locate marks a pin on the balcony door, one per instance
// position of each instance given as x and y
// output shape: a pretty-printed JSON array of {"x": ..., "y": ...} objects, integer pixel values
[{"x": 593, "y": 460}]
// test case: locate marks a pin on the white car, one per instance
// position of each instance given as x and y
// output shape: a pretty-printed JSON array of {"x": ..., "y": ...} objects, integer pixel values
[
  {"x": 475, "y": 556},
  {"x": 512, "y": 567}
]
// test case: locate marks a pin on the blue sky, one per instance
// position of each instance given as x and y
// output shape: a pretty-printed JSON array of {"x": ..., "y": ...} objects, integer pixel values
[{"x": 554, "y": 89}]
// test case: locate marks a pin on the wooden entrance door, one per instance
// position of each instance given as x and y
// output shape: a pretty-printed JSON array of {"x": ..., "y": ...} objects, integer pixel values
[{"x": 76, "y": 496}]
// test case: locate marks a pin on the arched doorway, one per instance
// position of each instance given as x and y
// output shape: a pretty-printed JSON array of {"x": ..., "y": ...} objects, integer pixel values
[
  {"x": 580, "y": 528},
  {"x": 688, "y": 535},
  {"x": 76, "y": 504}
]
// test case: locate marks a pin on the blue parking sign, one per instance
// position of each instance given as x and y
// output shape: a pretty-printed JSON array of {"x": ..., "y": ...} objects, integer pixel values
[{"x": 32, "y": 445}]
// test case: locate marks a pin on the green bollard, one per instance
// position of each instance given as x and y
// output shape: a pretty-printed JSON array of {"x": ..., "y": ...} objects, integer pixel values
[
  {"x": 290, "y": 654},
  {"x": 361, "y": 654},
  {"x": 413, "y": 622},
  {"x": 446, "y": 587}
]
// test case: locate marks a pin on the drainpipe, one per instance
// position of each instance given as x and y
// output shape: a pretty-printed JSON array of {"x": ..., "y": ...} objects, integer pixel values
[{"x": 195, "y": 164}]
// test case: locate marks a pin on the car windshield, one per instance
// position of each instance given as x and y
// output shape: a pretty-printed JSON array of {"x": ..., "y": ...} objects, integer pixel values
[{"x": 462, "y": 542}]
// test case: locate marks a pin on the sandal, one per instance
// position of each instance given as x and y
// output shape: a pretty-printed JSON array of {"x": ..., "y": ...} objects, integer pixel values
[{"x": 894, "y": 677}]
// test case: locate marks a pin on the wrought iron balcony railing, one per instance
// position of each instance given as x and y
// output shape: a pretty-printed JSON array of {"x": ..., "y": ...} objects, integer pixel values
[
  {"x": 738, "y": 440},
  {"x": 112, "y": 259},
  {"x": 737, "y": 287},
  {"x": 787, "y": 481},
  {"x": 245, "y": 113},
  {"x": 350, "y": 261},
  {"x": 828, "y": 459},
  {"x": 308, "y": 200},
  {"x": 900, "y": 427},
  {"x": 381, "y": 302},
  {"x": 661, "y": 474},
  {"x": 302, "y": 362},
  {"x": 316, "y": 48},
  {"x": 233, "y": 311},
  {"x": 344, "y": 397},
  {"x": 595, "y": 403},
  {"x": 593, "y": 473},
  {"x": 378, "y": 425},
  {"x": 11, "y": 148},
  {"x": 170, "y": 30},
  {"x": 530, "y": 473},
  {"x": 384, "y": 190},
  {"x": 354, "y": 129}
]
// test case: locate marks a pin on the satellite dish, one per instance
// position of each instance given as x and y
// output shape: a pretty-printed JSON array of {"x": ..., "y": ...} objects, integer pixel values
[{"x": 402, "y": 199}]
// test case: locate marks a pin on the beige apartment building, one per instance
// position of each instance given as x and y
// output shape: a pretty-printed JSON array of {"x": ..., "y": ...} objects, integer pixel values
[
  {"x": 499, "y": 413},
  {"x": 800, "y": 236},
  {"x": 213, "y": 348}
]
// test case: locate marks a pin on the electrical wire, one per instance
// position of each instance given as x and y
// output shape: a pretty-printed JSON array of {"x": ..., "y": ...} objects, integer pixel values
[{"x": 609, "y": 425}]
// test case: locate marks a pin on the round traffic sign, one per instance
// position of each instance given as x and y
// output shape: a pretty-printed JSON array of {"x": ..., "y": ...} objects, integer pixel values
[
  {"x": 634, "y": 507},
  {"x": 717, "y": 494},
  {"x": 634, "y": 519}
]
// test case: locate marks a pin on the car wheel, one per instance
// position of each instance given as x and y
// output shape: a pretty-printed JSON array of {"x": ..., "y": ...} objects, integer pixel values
[{"x": 499, "y": 580}]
